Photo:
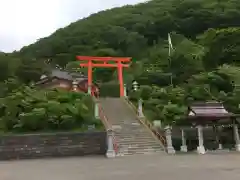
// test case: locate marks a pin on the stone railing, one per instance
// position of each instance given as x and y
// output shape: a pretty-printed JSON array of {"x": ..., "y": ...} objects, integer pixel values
[
  {"x": 30, "y": 146},
  {"x": 110, "y": 132},
  {"x": 147, "y": 124},
  {"x": 112, "y": 144}
]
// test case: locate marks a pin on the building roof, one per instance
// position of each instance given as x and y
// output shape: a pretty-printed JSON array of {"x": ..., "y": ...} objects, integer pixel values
[
  {"x": 62, "y": 75},
  {"x": 57, "y": 74},
  {"x": 67, "y": 75},
  {"x": 208, "y": 110}
]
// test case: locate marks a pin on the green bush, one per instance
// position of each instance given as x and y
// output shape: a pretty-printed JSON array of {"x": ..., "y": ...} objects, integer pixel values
[
  {"x": 151, "y": 115},
  {"x": 145, "y": 92},
  {"x": 31, "y": 110},
  {"x": 110, "y": 89}
]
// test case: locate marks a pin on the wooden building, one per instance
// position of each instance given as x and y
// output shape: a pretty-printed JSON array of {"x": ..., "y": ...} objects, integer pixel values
[
  {"x": 67, "y": 80},
  {"x": 208, "y": 126}
]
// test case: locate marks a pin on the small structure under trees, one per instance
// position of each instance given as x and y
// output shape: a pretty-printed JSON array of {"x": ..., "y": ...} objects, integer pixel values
[
  {"x": 205, "y": 114},
  {"x": 71, "y": 81}
]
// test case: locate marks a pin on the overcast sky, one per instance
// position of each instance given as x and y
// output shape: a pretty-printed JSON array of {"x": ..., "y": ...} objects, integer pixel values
[{"x": 24, "y": 21}]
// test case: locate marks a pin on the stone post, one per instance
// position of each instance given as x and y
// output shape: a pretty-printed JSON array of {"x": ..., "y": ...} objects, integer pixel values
[
  {"x": 140, "y": 108},
  {"x": 184, "y": 144},
  {"x": 125, "y": 90},
  {"x": 218, "y": 139},
  {"x": 168, "y": 133},
  {"x": 236, "y": 136},
  {"x": 157, "y": 124},
  {"x": 200, "y": 148},
  {"x": 96, "y": 109},
  {"x": 220, "y": 146},
  {"x": 110, "y": 151},
  {"x": 90, "y": 90},
  {"x": 75, "y": 85}
]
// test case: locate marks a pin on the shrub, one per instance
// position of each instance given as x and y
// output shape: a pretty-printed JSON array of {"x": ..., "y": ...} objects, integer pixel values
[
  {"x": 110, "y": 89},
  {"x": 31, "y": 110}
]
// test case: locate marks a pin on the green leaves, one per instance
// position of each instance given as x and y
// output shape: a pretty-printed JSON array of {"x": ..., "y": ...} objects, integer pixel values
[
  {"x": 29, "y": 110},
  {"x": 173, "y": 113},
  {"x": 31, "y": 121},
  {"x": 203, "y": 66},
  {"x": 165, "y": 104},
  {"x": 223, "y": 46}
]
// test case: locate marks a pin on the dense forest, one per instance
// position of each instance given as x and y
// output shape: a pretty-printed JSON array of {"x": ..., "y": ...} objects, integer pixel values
[{"x": 203, "y": 64}]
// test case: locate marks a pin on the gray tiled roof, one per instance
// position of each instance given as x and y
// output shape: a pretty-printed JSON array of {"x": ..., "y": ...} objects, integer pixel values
[
  {"x": 208, "y": 109},
  {"x": 66, "y": 75}
]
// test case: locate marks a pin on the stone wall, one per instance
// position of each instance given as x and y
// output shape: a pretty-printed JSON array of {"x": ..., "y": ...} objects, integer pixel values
[{"x": 31, "y": 146}]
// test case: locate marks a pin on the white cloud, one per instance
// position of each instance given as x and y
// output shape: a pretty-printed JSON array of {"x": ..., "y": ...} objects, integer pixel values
[{"x": 24, "y": 21}]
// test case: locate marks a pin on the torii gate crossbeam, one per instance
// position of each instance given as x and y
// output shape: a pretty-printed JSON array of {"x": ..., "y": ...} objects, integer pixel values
[{"x": 104, "y": 62}]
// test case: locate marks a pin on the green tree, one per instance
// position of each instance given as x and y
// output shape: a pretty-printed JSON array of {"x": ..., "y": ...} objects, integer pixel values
[
  {"x": 223, "y": 46},
  {"x": 29, "y": 110}
]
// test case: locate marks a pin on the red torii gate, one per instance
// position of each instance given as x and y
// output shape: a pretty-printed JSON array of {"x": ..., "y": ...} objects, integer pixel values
[{"x": 105, "y": 62}]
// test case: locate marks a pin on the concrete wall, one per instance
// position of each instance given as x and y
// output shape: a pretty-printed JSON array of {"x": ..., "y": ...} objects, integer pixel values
[{"x": 32, "y": 146}]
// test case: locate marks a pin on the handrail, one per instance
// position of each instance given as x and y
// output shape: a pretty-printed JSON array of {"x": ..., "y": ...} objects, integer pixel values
[
  {"x": 104, "y": 118},
  {"x": 107, "y": 125},
  {"x": 147, "y": 124}
]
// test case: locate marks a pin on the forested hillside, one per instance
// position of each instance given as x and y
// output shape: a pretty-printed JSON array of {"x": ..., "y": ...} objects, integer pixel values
[{"x": 204, "y": 63}]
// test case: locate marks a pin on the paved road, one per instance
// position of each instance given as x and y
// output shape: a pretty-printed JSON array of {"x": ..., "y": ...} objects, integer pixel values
[{"x": 144, "y": 167}]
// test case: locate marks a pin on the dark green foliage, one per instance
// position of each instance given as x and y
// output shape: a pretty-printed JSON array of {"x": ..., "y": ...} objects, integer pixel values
[
  {"x": 110, "y": 89},
  {"x": 33, "y": 110},
  {"x": 203, "y": 65},
  {"x": 223, "y": 46}
]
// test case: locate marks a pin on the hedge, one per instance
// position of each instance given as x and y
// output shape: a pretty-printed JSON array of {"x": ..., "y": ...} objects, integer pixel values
[{"x": 111, "y": 89}]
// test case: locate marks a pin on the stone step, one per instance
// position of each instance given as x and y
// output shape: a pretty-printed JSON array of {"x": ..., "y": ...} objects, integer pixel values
[
  {"x": 139, "y": 143},
  {"x": 137, "y": 138},
  {"x": 131, "y": 135},
  {"x": 122, "y": 149},
  {"x": 149, "y": 142},
  {"x": 147, "y": 136},
  {"x": 136, "y": 147},
  {"x": 121, "y": 126},
  {"x": 133, "y": 121},
  {"x": 129, "y": 122},
  {"x": 134, "y": 135},
  {"x": 131, "y": 131},
  {"x": 136, "y": 153},
  {"x": 127, "y": 126},
  {"x": 140, "y": 151},
  {"x": 116, "y": 127},
  {"x": 136, "y": 132},
  {"x": 140, "y": 148}
]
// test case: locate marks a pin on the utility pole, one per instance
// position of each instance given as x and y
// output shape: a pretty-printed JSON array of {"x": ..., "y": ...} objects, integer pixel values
[{"x": 170, "y": 48}]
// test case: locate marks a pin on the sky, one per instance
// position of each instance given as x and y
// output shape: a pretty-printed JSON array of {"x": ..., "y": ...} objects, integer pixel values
[{"x": 22, "y": 22}]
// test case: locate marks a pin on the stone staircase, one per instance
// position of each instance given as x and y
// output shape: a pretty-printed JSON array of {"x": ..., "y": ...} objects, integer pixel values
[{"x": 132, "y": 137}]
